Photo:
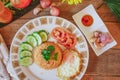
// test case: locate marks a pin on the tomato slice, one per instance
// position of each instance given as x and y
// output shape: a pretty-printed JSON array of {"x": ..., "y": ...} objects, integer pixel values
[
  {"x": 6, "y": 16},
  {"x": 20, "y": 3},
  {"x": 63, "y": 37},
  {"x": 70, "y": 42}
]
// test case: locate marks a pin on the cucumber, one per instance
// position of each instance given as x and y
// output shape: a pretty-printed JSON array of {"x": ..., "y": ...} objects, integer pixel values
[
  {"x": 25, "y": 53},
  {"x": 26, "y": 61},
  {"x": 44, "y": 35},
  {"x": 25, "y": 46},
  {"x": 31, "y": 40},
  {"x": 38, "y": 38}
]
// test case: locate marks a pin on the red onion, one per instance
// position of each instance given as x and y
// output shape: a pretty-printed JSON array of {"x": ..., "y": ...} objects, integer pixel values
[
  {"x": 45, "y": 3},
  {"x": 54, "y": 11}
]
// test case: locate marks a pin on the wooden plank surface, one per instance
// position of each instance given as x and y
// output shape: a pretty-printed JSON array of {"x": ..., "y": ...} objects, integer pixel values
[{"x": 104, "y": 67}]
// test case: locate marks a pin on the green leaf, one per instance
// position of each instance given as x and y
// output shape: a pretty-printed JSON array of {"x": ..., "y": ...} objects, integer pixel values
[
  {"x": 55, "y": 56},
  {"x": 47, "y": 57},
  {"x": 51, "y": 48},
  {"x": 46, "y": 53},
  {"x": 114, "y": 6}
]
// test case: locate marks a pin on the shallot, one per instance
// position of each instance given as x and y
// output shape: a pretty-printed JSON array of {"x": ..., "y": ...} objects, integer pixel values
[
  {"x": 100, "y": 39},
  {"x": 45, "y": 3},
  {"x": 54, "y": 11},
  {"x": 37, "y": 10}
]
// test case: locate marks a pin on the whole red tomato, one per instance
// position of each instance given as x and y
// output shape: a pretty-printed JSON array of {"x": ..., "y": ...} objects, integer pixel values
[{"x": 20, "y": 3}]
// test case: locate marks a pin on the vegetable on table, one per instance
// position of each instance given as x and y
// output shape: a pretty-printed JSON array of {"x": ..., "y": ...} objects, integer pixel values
[
  {"x": 45, "y": 3},
  {"x": 5, "y": 14},
  {"x": 20, "y": 3},
  {"x": 54, "y": 11}
]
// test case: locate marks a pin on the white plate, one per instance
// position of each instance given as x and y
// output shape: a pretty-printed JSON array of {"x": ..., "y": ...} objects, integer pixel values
[
  {"x": 97, "y": 25},
  {"x": 33, "y": 72}
]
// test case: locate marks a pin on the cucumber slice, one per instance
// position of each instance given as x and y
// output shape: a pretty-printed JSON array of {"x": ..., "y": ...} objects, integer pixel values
[
  {"x": 32, "y": 40},
  {"x": 25, "y": 53},
  {"x": 25, "y": 46},
  {"x": 26, "y": 61},
  {"x": 38, "y": 38},
  {"x": 44, "y": 36}
]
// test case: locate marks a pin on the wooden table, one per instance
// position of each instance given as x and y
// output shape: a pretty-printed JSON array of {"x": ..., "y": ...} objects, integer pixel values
[{"x": 104, "y": 67}]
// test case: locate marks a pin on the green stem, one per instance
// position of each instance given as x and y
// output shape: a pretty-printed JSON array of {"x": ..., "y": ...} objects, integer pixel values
[{"x": 8, "y": 4}]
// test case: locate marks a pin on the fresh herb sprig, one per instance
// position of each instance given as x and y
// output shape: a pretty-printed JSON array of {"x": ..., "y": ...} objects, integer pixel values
[
  {"x": 46, "y": 53},
  {"x": 55, "y": 56},
  {"x": 114, "y": 6}
]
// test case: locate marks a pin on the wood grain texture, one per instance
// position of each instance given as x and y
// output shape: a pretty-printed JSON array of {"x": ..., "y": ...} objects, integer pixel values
[{"x": 104, "y": 67}]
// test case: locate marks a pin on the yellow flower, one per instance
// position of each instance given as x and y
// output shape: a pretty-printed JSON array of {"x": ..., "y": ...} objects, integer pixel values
[{"x": 72, "y": 1}]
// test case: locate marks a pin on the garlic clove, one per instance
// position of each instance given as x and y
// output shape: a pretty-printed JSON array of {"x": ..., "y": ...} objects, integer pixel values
[{"x": 37, "y": 10}]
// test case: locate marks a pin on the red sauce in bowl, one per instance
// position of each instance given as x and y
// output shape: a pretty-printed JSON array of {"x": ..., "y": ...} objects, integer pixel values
[{"x": 87, "y": 20}]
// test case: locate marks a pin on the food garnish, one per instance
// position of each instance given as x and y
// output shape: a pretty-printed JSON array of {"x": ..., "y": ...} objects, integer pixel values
[
  {"x": 25, "y": 46},
  {"x": 55, "y": 56},
  {"x": 51, "y": 48},
  {"x": 44, "y": 35},
  {"x": 64, "y": 37},
  {"x": 25, "y": 53},
  {"x": 87, "y": 20},
  {"x": 38, "y": 37},
  {"x": 46, "y": 53},
  {"x": 26, "y": 61},
  {"x": 32, "y": 41}
]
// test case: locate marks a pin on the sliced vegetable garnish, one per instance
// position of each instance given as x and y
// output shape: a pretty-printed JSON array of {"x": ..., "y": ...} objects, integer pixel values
[
  {"x": 25, "y": 53},
  {"x": 38, "y": 38},
  {"x": 32, "y": 40},
  {"x": 26, "y": 61},
  {"x": 64, "y": 37},
  {"x": 44, "y": 35},
  {"x": 25, "y": 46}
]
